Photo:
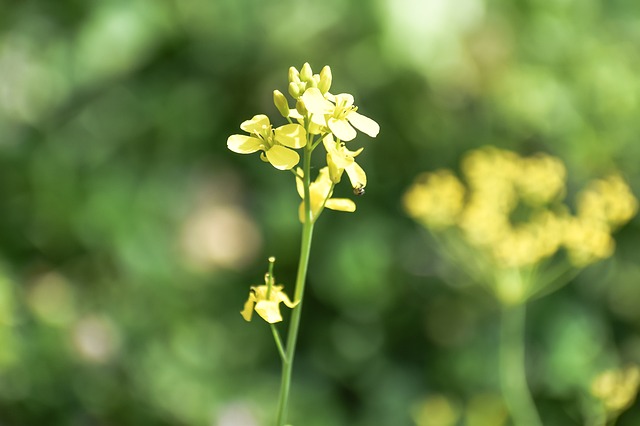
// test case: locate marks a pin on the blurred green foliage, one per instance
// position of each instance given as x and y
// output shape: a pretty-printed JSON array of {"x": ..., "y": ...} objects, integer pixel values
[{"x": 129, "y": 234}]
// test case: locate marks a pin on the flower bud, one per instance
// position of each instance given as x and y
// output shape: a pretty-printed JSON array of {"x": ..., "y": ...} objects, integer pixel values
[
  {"x": 294, "y": 75},
  {"x": 281, "y": 103},
  {"x": 301, "y": 108},
  {"x": 306, "y": 74},
  {"x": 325, "y": 79},
  {"x": 294, "y": 90}
]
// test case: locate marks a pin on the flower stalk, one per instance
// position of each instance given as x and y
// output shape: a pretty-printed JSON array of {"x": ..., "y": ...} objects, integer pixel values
[
  {"x": 301, "y": 277},
  {"x": 317, "y": 114},
  {"x": 513, "y": 376}
]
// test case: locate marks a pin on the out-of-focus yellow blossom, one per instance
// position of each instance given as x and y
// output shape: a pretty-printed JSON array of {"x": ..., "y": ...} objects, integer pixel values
[
  {"x": 435, "y": 199},
  {"x": 436, "y": 410},
  {"x": 265, "y": 300},
  {"x": 341, "y": 116},
  {"x": 529, "y": 242},
  {"x": 340, "y": 159},
  {"x": 541, "y": 179},
  {"x": 320, "y": 192},
  {"x": 608, "y": 200},
  {"x": 276, "y": 143},
  {"x": 617, "y": 388},
  {"x": 512, "y": 211},
  {"x": 587, "y": 241}
]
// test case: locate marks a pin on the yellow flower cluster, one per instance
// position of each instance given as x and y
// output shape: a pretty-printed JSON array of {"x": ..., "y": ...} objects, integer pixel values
[
  {"x": 318, "y": 116},
  {"x": 511, "y": 208}
]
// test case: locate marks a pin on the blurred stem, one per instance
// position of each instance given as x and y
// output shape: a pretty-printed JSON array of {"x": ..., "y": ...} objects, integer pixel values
[
  {"x": 513, "y": 377},
  {"x": 305, "y": 250}
]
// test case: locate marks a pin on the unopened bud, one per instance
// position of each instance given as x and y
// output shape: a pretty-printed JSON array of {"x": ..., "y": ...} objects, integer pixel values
[
  {"x": 325, "y": 79},
  {"x": 294, "y": 75},
  {"x": 294, "y": 90},
  {"x": 301, "y": 108},
  {"x": 281, "y": 103},
  {"x": 306, "y": 74}
]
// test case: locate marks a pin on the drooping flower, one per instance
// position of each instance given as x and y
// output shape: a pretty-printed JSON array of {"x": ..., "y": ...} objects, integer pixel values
[
  {"x": 340, "y": 159},
  {"x": 276, "y": 143},
  {"x": 266, "y": 303},
  {"x": 320, "y": 192},
  {"x": 340, "y": 115}
]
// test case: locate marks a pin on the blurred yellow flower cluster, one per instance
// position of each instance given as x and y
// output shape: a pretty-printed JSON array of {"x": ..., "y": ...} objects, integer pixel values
[{"x": 511, "y": 209}]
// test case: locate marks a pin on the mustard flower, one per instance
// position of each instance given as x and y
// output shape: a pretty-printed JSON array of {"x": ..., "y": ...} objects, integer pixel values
[
  {"x": 340, "y": 116},
  {"x": 340, "y": 159},
  {"x": 276, "y": 143},
  {"x": 267, "y": 307},
  {"x": 320, "y": 192}
]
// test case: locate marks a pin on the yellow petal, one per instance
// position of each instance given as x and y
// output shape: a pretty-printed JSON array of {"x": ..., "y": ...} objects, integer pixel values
[
  {"x": 269, "y": 311},
  {"x": 243, "y": 144},
  {"x": 256, "y": 124},
  {"x": 364, "y": 124},
  {"x": 342, "y": 129},
  {"x": 357, "y": 176},
  {"x": 282, "y": 297},
  {"x": 282, "y": 158},
  {"x": 247, "y": 312},
  {"x": 315, "y": 102},
  {"x": 291, "y": 135},
  {"x": 344, "y": 99},
  {"x": 341, "y": 204}
]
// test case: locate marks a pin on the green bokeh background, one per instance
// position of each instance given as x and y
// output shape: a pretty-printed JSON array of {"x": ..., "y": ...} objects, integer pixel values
[{"x": 129, "y": 234}]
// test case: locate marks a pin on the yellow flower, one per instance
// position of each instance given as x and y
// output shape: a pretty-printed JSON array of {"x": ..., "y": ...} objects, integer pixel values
[
  {"x": 267, "y": 307},
  {"x": 608, "y": 200},
  {"x": 275, "y": 143},
  {"x": 340, "y": 159},
  {"x": 320, "y": 192},
  {"x": 617, "y": 388},
  {"x": 341, "y": 116},
  {"x": 435, "y": 199}
]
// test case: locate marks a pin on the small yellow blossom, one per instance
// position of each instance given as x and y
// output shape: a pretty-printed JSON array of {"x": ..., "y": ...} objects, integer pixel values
[
  {"x": 435, "y": 199},
  {"x": 587, "y": 241},
  {"x": 617, "y": 389},
  {"x": 341, "y": 116},
  {"x": 276, "y": 143},
  {"x": 608, "y": 200},
  {"x": 320, "y": 192},
  {"x": 340, "y": 159},
  {"x": 267, "y": 307},
  {"x": 541, "y": 179}
]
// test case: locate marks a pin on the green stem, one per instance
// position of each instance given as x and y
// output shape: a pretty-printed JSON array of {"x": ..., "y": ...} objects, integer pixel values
[
  {"x": 292, "y": 337},
  {"x": 276, "y": 337},
  {"x": 512, "y": 367}
]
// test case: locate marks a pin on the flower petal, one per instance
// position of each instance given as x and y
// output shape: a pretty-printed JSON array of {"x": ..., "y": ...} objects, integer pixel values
[
  {"x": 269, "y": 311},
  {"x": 342, "y": 129},
  {"x": 247, "y": 312},
  {"x": 344, "y": 99},
  {"x": 256, "y": 124},
  {"x": 356, "y": 174},
  {"x": 315, "y": 102},
  {"x": 364, "y": 124},
  {"x": 282, "y": 297},
  {"x": 244, "y": 144},
  {"x": 341, "y": 204},
  {"x": 282, "y": 158},
  {"x": 291, "y": 135}
]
